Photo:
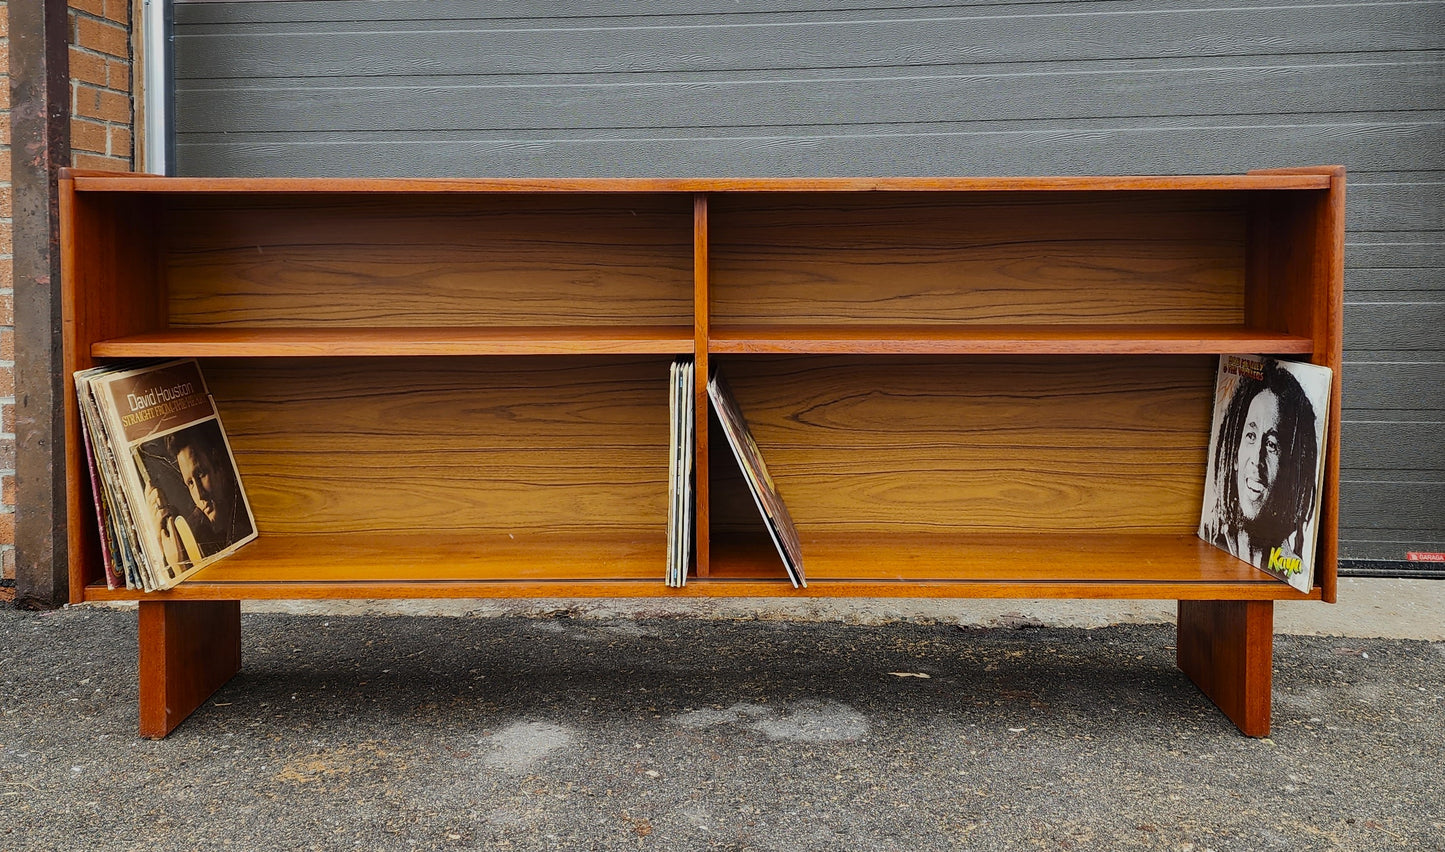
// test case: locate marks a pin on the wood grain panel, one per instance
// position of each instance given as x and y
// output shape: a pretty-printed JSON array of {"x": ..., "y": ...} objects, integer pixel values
[
  {"x": 420, "y": 445},
  {"x": 233, "y": 342},
  {"x": 973, "y": 444},
  {"x": 594, "y": 554},
  {"x": 1226, "y": 647},
  {"x": 706, "y": 588},
  {"x": 368, "y": 566},
  {"x": 638, "y": 555},
  {"x": 109, "y": 287},
  {"x": 940, "y": 259},
  {"x": 978, "y": 339},
  {"x": 188, "y": 650},
  {"x": 407, "y": 260},
  {"x": 702, "y": 370},
  {"x": 560, "y": 187},
  {"x": 992, "y": 557},
  {"x": 1307, "y": 297}
]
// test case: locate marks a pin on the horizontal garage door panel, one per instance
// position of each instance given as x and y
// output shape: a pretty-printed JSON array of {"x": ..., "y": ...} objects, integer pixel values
[
  {"x": 893, "y": 87},
  {"x": 420, "y": 39}
]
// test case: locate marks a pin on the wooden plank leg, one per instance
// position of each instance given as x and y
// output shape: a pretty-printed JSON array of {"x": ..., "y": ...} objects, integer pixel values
[
  {"x": 1227, "y": 649},
  {"x": 188, "y": 650}
]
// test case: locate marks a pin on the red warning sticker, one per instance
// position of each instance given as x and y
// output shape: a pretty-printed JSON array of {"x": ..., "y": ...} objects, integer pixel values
[{"x": 1418, "y": 556}]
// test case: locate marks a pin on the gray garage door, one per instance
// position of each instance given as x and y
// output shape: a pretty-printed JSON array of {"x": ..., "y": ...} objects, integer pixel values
[{"x": 889, "y": 87}]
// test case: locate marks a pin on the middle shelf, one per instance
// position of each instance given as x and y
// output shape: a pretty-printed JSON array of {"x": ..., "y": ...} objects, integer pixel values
[
  {"x": 251, "y": 342},
  {"x": 963, "y": 339}
]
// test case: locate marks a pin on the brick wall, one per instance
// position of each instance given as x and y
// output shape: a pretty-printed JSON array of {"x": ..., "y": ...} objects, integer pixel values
[
  {"x": 100, "y": 84},
  {"x": 101, "y": 132}
]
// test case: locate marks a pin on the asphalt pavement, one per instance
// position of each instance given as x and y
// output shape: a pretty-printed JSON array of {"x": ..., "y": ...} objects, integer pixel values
[{"x": 686, "y": 733}]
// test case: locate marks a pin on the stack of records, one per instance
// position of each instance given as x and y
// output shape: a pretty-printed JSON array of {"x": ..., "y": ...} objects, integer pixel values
[
  {"x": 168, "y": 496},
  {"x": 765, "y": 492},
  {"x": 1264, "y": 484},
  {"x": 680, "y": 472}
]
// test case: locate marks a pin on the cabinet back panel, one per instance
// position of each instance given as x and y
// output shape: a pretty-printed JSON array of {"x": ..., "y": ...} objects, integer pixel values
[
  {"x": 409, "y": 260},
  {"x": 974, "y": 445},
  {"x": 945, "y": 258},
  {"x": 510, "y": 445}
]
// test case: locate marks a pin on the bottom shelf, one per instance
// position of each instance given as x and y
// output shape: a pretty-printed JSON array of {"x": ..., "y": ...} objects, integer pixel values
[
  {"x": 631, "y": 565},
  {"x": 1009, "y": 566}
]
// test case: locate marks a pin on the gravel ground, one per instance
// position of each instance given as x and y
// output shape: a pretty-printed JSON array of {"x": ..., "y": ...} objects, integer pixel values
[{"x": 408, "y": 732}]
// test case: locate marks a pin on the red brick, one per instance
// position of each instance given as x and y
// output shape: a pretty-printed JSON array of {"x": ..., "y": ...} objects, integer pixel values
[
  {"x": 7, "y": 527},
  {"x": 7, "y": 566},
  {"x": 118, "y": 75},
  {"x": 115, "y": 106},
  {"x": 82, "y": 160},
  {"x": 7, "y": 238},
  {"x": 120, "y": 142},
  {"x": 103, "y": 104},
  {"x": 118, "y": 10},
  {"x": 94, "y": 7},
  {"x": 87, "y": 136},
  {"x": 7, "y": 272},
  {"x": 7, "y": 344},
  {"x": 7, "y": 490},
  {"x": 7, "y": 313},
  {"x": 102, "y": 37},
  {"x": 7, "y": 418},
  {"x": 87, "y": 67},
  {"x": 7, "y": 209},
  {"x": 7, "y": 388},
  {"x": 84, "y": 100}
]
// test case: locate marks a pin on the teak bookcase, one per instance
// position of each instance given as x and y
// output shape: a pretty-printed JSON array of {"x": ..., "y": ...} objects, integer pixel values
[{"x": 990, "y": 387}]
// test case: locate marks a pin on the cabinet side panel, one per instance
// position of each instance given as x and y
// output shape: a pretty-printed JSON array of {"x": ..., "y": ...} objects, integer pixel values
[
  {"x": 111, "y": 287},
  {"x": 701, "y": 330},
  {"x": 943, "y": 258},
  {"x": 1296, "y": 284},
  {"x": 408, "y": 260},
  {"x": 429, "y": 445},
  {"x": 976, "y": 445}
]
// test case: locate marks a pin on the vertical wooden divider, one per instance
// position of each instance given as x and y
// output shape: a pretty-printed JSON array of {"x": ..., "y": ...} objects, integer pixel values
[{"x": 700, "y": 343}]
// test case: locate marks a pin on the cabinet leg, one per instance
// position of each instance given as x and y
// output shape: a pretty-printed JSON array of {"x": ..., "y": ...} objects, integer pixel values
[
  {"x": 188, "y": 650},
  {"x": 1227, "y": 649}
]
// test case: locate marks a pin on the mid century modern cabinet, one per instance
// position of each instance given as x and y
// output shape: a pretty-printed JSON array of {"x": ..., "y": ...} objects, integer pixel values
[{"x": 992, "y": 387}]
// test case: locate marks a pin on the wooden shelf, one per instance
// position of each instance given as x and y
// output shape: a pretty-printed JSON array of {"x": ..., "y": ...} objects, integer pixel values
[
  {"x": 1167, "y": 567},
  {"x": 108, "y": 182},
  {"x": 630, "y": 565},
  {"x": 334, "y": 566},
  {"x": 1003, "y": 340},
  {"x": 383, "y": 342}
]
